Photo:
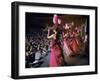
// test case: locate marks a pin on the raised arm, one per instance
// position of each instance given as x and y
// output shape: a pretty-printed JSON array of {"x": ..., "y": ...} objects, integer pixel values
[{"x": 48, "y": 35}]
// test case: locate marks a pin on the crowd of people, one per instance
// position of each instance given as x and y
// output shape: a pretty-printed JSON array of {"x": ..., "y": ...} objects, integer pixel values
[{"x": 36, "y": 46}]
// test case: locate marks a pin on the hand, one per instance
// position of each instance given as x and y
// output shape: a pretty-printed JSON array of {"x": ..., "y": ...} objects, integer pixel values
[{"x": 48, "y": 29}]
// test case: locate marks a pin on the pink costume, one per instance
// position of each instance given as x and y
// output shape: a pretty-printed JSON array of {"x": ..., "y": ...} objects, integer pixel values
[
  {"x": 75, "y": 42},
  {"x": 56, "y": 54},
  {"x": 66, "y": 47},
  {"x": 56, "y": 58}
]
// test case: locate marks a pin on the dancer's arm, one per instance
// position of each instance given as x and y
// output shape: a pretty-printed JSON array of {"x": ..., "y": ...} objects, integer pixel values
[{"x": 48, "y": 35}]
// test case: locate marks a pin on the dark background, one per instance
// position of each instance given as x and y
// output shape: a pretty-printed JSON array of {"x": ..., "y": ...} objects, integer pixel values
[{"x": 38, "y": 21}]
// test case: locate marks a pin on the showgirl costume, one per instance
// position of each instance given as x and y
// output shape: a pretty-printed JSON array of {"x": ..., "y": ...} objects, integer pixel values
[
  {"x": 75, "y": 42},
  {"x": 56, "y": 53},
  {"x": 56, "y": 58},
  {"x": 66, "y": 47}
]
